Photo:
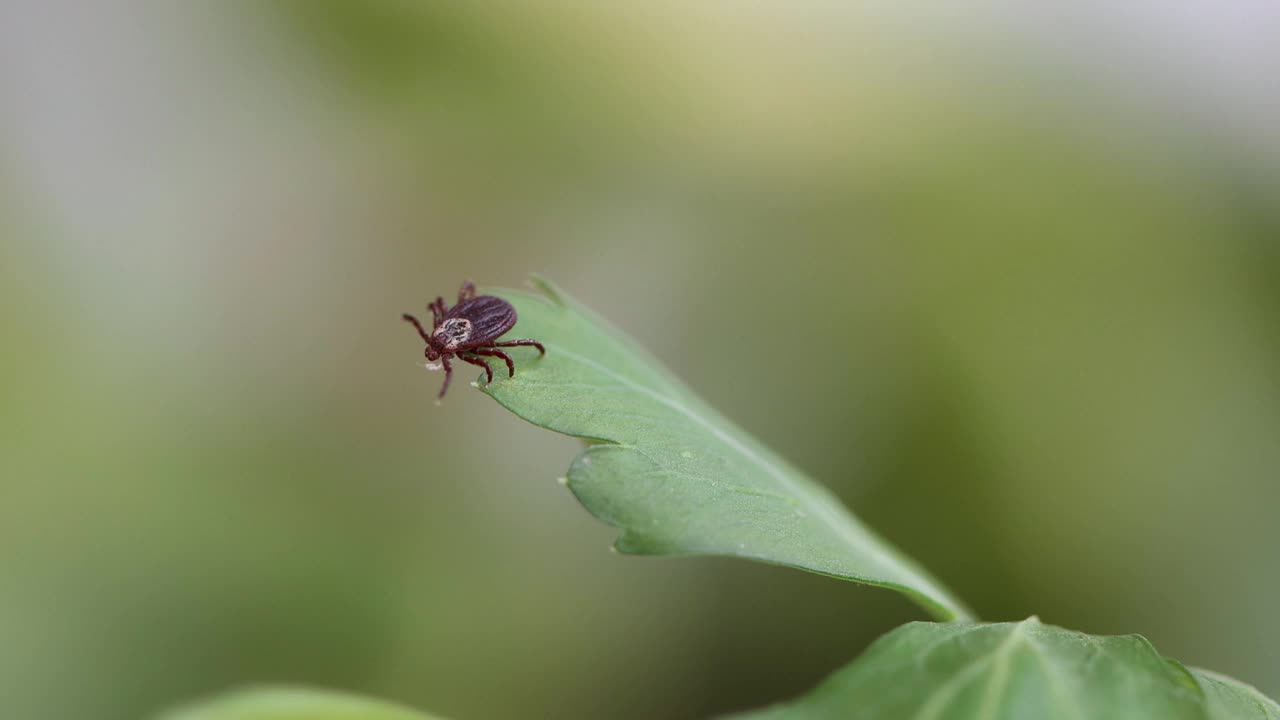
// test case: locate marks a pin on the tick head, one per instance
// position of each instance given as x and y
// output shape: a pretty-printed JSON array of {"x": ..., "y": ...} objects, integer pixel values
[{"x": 432, "y": 352}]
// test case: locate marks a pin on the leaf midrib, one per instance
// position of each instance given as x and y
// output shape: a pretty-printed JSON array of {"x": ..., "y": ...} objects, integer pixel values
[{"x": 943, "y": 694}]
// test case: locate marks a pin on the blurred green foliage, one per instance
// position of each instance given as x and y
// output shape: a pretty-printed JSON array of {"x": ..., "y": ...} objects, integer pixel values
[
  {"x": 1040, "y": 309},
  {"x": 287, "y": 703}
]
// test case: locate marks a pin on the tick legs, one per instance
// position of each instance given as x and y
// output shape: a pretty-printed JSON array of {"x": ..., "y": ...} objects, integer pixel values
[
  {"x": 437, "y": 311},
  {"x": 490, "y": 352},
  {"x": 411, "y": 319},
  {"x": 522, "y": 343},
  {"x": 488, "y": 371},
  {"x": 467, "y": 292},
  {"x": 448, "y": 375}
]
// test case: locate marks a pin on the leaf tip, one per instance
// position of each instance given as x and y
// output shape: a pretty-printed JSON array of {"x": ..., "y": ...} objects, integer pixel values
[{"x": 548, "y": 288}]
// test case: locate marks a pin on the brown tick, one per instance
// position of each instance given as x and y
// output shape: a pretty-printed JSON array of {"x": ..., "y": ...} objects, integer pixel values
[{"x": 469, "y": 331}]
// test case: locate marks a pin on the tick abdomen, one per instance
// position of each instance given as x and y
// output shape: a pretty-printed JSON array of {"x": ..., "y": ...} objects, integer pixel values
[{"x": 489, "y": 316}]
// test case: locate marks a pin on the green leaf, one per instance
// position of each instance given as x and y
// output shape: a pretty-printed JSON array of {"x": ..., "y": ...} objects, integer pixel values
[
  {"x": 1016, "y": 671},
  {"x": 292, "y": 703},
  {"x": 1230, "y": 699},
  {"x": 675, "y": 475}
]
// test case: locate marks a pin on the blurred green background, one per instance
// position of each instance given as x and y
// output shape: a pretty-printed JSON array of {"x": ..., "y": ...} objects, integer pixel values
[{"x": 1032, "y": 254}]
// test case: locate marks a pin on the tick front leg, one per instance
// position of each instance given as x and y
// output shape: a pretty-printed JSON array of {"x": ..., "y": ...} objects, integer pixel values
[
  {"x": 448, "y": 375},
  {"x": 522, "y": 343},
  {"x": 511, "y": 367},
  {"x": 414, "y": 321},
  {"x": 488, "y": 371},
  {"x": 467, "y": 292}
]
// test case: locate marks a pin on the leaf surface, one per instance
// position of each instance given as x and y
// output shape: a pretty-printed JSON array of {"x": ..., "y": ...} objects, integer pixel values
[
  {"x": 293, "y": 703},
  {"x": 1016, "y": 671},
  {"x": 1230, "y": 699},
  {"x": 672, "y": 473}
]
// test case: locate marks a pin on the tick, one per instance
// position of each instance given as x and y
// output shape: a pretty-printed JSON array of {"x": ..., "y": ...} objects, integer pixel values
[{"x": 469, "y": 331}]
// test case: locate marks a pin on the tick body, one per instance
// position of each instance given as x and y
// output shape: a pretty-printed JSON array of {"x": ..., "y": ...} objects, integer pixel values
[{"x": 469, "y": 331}]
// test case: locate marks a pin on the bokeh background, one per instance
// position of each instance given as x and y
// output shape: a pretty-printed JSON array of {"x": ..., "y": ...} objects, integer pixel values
[{"x": 1026, "y": 258}]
